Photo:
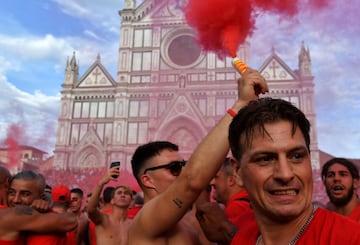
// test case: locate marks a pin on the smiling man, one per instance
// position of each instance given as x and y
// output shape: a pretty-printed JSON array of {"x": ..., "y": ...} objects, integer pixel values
[
  {"x": 26, "y": 188},
  {"x": 341, "y": 179},
  {"x": 270, "y": 141}
]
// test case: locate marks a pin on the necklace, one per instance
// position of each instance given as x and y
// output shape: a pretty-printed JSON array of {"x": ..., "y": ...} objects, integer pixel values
[{"x": 300, "y": 232}]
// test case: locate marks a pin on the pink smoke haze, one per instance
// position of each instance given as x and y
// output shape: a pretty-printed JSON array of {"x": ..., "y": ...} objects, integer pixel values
[
  {"x": 11, "y": 142},
  {"x": 223, "y": 25}
]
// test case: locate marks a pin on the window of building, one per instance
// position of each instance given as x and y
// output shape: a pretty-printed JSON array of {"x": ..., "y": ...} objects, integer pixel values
[
  {"x": 138, "y": 38},
  {"x": 137, "y": 132},
  {"x": 139, "y": 108},
  {"x": 85, "y": 110},
  {"x": 93, "y": 109},
  {"x": 102, "y": 110},
  {"x": 222, "y": 104},
  {"x": 184, "y": 50},
  {"x": 77, "y": 110},
  {"x": 109, "y": 109},
  {"x": 142, "y": 38},
  {"x": 141, "y": 61}
]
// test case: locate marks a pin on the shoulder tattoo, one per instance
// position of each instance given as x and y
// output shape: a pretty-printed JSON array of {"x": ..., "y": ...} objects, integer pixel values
[{"x": 23, "y": 210}]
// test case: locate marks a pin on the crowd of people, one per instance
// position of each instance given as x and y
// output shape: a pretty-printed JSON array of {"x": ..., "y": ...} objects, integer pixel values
[{"x": 262, "y": 194}]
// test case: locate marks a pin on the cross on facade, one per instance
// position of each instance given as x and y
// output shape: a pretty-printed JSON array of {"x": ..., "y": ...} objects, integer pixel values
[
  {"x": 273, "y": 66},
  {"x": 96, "y": 73}
]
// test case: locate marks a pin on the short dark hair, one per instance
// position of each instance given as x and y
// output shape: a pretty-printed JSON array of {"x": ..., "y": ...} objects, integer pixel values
[
  {"x": 108, "y": 194},
  {"x": 227, "y": 168},
  {"x": 31, "y": 175},
  {"x": 77, "y": 191},
  {"x": 127, "y": 189},
  {"x": 144, "y": 152},
  {"x": 260, "y": 112},
  {"x": 354, "y": 171}
]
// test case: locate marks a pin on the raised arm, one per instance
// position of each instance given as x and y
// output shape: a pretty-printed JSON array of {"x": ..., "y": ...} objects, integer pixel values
[
  {"x": 169, "y": 207},
  {"x": 94, "y": 213}
]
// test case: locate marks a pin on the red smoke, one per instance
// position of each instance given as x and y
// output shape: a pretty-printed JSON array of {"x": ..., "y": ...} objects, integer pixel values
[
  {"x": 14, "y": 133},
  {"x": 222, "y": 25}
]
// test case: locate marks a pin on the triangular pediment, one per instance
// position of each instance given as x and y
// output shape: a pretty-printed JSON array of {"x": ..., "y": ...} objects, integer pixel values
[
  {"x": 165, "y": 9},
  {"x": 96, "y": 76},
  {"x": 275, "y": 69},
  {"x": 182, "y": 106}
]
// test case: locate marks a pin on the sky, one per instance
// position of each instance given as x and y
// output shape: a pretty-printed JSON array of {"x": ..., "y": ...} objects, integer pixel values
[{"x": 37, "y": 37}]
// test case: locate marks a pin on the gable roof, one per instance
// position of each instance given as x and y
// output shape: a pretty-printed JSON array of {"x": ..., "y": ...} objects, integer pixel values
[
  {"x": 274, "y": 68},
  {"x": 96, "y": 76}
]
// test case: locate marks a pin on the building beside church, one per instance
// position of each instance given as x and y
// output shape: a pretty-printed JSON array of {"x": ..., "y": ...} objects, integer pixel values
[
  {"x": 165, "y": 88},
  {"x": 20, "y": 157}
]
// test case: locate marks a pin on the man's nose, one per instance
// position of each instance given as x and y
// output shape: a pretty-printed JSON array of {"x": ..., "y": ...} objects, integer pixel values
[
  {"x": 17, "y": 199},
  {"x": 283, "y": 170}
]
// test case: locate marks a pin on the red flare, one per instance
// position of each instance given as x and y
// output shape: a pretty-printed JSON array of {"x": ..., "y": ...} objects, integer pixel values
[{"x": 222, "y": 25}]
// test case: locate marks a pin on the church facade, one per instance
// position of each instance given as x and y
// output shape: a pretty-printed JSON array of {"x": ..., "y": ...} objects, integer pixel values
[{"x": 166, "y": 88}]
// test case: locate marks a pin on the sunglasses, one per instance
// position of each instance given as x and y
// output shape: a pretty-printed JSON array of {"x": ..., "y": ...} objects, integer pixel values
[{"x": 174, "y": 167}]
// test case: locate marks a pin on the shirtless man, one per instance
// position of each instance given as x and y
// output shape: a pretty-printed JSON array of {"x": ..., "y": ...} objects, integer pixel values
[
  {"x": 19, "y": 219},
  {"x": 171, "y": 187},
  {"x": 111, "y": 228}
]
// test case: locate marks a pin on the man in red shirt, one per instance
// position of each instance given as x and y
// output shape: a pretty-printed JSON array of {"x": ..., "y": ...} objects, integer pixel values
[
  {"x": 341, "y": 179},
  {"x": 270, "y": 140},
  {"x": 229, "y": 193}
]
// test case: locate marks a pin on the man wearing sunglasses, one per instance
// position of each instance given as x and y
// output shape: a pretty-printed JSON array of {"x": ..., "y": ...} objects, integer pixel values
[{"x": 171, "y": 187}]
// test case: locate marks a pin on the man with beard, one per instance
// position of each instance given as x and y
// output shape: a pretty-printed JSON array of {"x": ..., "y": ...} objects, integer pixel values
[{"x": 341, "y": 179}]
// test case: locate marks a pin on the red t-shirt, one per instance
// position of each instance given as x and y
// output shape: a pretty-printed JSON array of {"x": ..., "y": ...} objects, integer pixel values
[
  {"x": 92, "y": 233},
  {"x": 48, "y": 239},
  {"x": 71, "y": 237},
  {"x": 237, "y": 205},
  {"x": 326, "y": 228},
  {"x": 131, "y": 212},
  {"x": 14, "y": 242}
]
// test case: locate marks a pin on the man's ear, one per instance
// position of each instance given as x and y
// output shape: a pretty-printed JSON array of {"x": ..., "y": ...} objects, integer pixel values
[
  {"x": 237, "y": 171},
  {"x": 356, "y": 184},
  {"x": 147, "y": 181},
  {"x": 43, "y": 195}
]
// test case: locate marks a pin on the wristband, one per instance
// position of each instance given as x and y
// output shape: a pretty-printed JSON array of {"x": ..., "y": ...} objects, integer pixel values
[{"x": 231, "y": 112}]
